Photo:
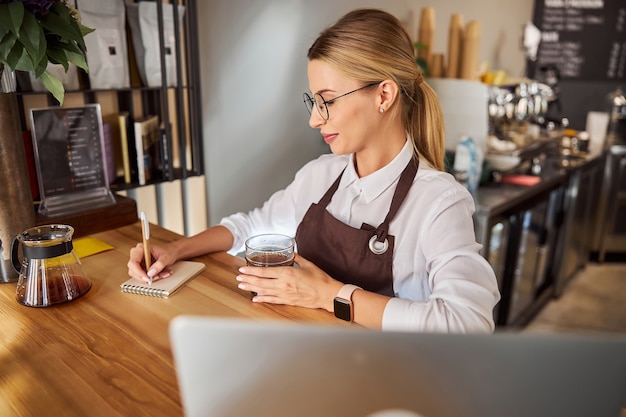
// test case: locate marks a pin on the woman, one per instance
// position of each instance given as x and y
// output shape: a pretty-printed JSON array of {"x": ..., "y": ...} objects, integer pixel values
[{"x": 380, "y": 229}]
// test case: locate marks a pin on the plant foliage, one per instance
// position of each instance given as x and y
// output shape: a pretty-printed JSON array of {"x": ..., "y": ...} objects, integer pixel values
[
  {"x": 421, "y": 62},
  {"x": 34, "y": 33}
]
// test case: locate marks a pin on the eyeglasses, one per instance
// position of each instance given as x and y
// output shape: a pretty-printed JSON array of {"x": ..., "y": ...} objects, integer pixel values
[{"x": 322, "y": 105}]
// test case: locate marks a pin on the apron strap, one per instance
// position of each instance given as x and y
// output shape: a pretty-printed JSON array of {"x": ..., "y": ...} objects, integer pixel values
[
  {"x": 325, "y": 200},
  {"x": 402, "y": 189}
]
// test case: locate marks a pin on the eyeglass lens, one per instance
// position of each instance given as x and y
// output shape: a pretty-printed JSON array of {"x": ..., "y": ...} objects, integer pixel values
[
  {"x": 317, "y": 101},
  {"x": 322, "y": 105}
]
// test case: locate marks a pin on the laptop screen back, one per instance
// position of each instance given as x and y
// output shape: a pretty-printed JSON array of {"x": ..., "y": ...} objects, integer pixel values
[{"x": 227, "y": 367}]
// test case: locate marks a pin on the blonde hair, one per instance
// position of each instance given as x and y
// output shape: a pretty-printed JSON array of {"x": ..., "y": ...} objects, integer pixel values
[{"x": 371, "y": 45}]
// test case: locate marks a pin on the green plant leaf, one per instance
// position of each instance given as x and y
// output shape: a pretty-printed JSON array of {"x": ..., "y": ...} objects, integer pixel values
[
  {"x": 31, "y": 36},
  {"x": 422, "y": 65},
  {"x": 6, "y": 45},
  {"x": 84, "y": 30},
  {"x": 56, "y": 42},
  {"x": 4, "y": 30},
  {"x": 11, "y": 16},
  {"x": 77, "y": 59},
  {"x": 63, "y": 52},
  {"x": 29, "y": 43},
  {"x": 54, "y": 85},
  {"x": 58, "y": 56},
  {"x": 60, "y": 21},
  {"x": 41, "y": 67},
  {"x": 19, "y": 59}
]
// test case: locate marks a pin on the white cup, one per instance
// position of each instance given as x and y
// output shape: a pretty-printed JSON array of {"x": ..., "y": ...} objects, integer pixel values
[{"x": 597, "y": 125}]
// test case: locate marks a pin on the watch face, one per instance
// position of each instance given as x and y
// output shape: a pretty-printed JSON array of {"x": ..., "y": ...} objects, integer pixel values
[{"x": 343, "y": 309}]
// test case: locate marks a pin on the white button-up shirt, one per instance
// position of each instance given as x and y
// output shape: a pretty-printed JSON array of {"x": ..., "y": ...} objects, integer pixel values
[{"x": 441, "y": 282}]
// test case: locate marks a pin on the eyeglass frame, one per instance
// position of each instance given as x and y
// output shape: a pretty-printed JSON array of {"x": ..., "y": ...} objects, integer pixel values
[{"x": 311, "y": 100}]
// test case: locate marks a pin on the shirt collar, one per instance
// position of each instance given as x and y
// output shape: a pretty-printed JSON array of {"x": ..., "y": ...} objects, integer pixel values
[{"x": 372, "y": 185}]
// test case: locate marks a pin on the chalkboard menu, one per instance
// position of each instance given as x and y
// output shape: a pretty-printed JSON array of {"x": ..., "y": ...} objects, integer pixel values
[
  {"x": 70, "y": 159},
  {"x": 584, "y": 39}
]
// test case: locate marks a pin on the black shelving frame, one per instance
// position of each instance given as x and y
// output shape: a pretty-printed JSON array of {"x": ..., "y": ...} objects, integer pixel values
[{"x": 187, "y": 101}]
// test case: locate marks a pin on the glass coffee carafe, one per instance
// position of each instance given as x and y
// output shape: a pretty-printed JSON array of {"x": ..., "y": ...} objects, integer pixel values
[{"x": 50, "y": 272}]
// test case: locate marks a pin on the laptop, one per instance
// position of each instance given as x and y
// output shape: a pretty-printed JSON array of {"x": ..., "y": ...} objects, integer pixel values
[{"x": 232, "y": 367}]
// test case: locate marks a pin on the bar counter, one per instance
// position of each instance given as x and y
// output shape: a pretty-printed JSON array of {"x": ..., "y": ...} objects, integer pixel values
[
  {"x": 535, "y": 232},
  {"x": 493, "y": 199},
  {"x": 108, "y": 353}
]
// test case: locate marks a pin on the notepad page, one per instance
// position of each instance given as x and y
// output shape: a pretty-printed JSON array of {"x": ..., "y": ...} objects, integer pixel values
[{"x": 182, "y": 271}]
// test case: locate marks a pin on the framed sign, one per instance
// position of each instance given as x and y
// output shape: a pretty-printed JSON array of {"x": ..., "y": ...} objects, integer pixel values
[
  {"x": 69, "y": 156},
  {"x": 584, "y": 39}
]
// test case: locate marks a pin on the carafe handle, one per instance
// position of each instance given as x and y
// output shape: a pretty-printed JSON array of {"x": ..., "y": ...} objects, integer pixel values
[{"x": 15, "y": 245}]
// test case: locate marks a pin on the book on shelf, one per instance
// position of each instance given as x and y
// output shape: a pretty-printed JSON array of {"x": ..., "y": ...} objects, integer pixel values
[
  {"x": 127, "y": 145},
  {"x": 165, "y": 167},
  {"x": 109, "y": 153},
  {"x": 115, "y": 167},
  {"x": 148, "y": 147}
]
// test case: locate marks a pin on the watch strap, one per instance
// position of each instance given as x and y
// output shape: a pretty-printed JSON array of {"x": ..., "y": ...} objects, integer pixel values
[
  {"x": 343, "y": 302},
  {"x": 346, "y": 291}
]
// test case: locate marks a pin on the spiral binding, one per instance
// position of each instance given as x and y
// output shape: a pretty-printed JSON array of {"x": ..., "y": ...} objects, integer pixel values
[{"x": 151, "y": 292}]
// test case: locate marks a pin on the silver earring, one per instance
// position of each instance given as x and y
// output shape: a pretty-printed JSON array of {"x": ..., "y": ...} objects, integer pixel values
[{"x": 381, "y": 110}]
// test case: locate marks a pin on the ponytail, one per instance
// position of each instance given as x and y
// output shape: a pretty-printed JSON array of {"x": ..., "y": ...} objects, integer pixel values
[{"x": 425, "y": 125}]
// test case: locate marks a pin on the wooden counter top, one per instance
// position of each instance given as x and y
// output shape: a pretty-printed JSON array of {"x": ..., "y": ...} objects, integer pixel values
[{"x": 108, "y": 353}]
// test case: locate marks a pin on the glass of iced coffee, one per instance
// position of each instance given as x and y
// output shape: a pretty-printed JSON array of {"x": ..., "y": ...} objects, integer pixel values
[{"x": 270, "y": 249}]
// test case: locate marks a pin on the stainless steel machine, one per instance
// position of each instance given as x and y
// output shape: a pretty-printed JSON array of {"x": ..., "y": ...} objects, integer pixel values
[
  {"x": 610, "y": 236},
  {"x": 611, "y": 229}
]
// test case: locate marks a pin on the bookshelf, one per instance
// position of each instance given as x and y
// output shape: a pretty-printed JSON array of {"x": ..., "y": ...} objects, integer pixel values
[{"x": 178, "y": 106}]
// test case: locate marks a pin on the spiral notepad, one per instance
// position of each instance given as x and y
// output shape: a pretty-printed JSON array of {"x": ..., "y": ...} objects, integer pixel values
[{"x": 182, "y": 271}]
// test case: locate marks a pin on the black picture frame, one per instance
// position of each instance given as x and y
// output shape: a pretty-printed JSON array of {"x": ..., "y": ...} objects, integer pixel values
[{"x": 68, "y": 144}]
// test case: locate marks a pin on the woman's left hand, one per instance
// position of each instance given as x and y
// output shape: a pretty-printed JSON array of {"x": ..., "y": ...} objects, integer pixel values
[{"x": 304, "y": 285}]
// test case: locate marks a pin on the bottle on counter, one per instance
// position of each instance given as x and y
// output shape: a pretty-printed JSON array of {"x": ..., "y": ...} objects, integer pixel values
[
  {"x": 580, "y": 143},
  {"x": 616, "y": 133},
  {"x": 467, "y": 163},
  {"x": 569, "y": 136},
  {"x": 575, "y": 142}
]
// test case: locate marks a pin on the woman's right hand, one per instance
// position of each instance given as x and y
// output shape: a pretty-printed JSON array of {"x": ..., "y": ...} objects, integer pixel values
[
  {"x": 215, "y": 238},
  {"x": 162, "y": 258}
]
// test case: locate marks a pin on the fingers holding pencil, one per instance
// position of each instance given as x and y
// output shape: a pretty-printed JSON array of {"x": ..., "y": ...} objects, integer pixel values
[
  {"x": 148, "y": 262},
  {"x": 159, "y": 268},
  {"x": 145, "y": 234}
]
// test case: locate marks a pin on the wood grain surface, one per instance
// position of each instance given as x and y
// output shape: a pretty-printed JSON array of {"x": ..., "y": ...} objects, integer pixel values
[{"x": 108, "y": 353}]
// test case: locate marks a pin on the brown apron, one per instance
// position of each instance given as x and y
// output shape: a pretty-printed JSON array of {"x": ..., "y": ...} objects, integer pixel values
[{"x": 362, "y": 257}]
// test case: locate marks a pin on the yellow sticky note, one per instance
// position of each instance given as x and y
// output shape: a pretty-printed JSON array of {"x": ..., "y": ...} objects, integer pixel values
[{"x": 87, "y": 246}]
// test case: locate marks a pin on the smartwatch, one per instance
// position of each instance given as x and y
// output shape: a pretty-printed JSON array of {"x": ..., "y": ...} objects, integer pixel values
[{"x": 343, "y": 302}]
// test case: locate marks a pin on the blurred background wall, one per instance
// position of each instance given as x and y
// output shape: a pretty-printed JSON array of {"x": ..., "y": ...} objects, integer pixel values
[{"x": 253, "y": 61}]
